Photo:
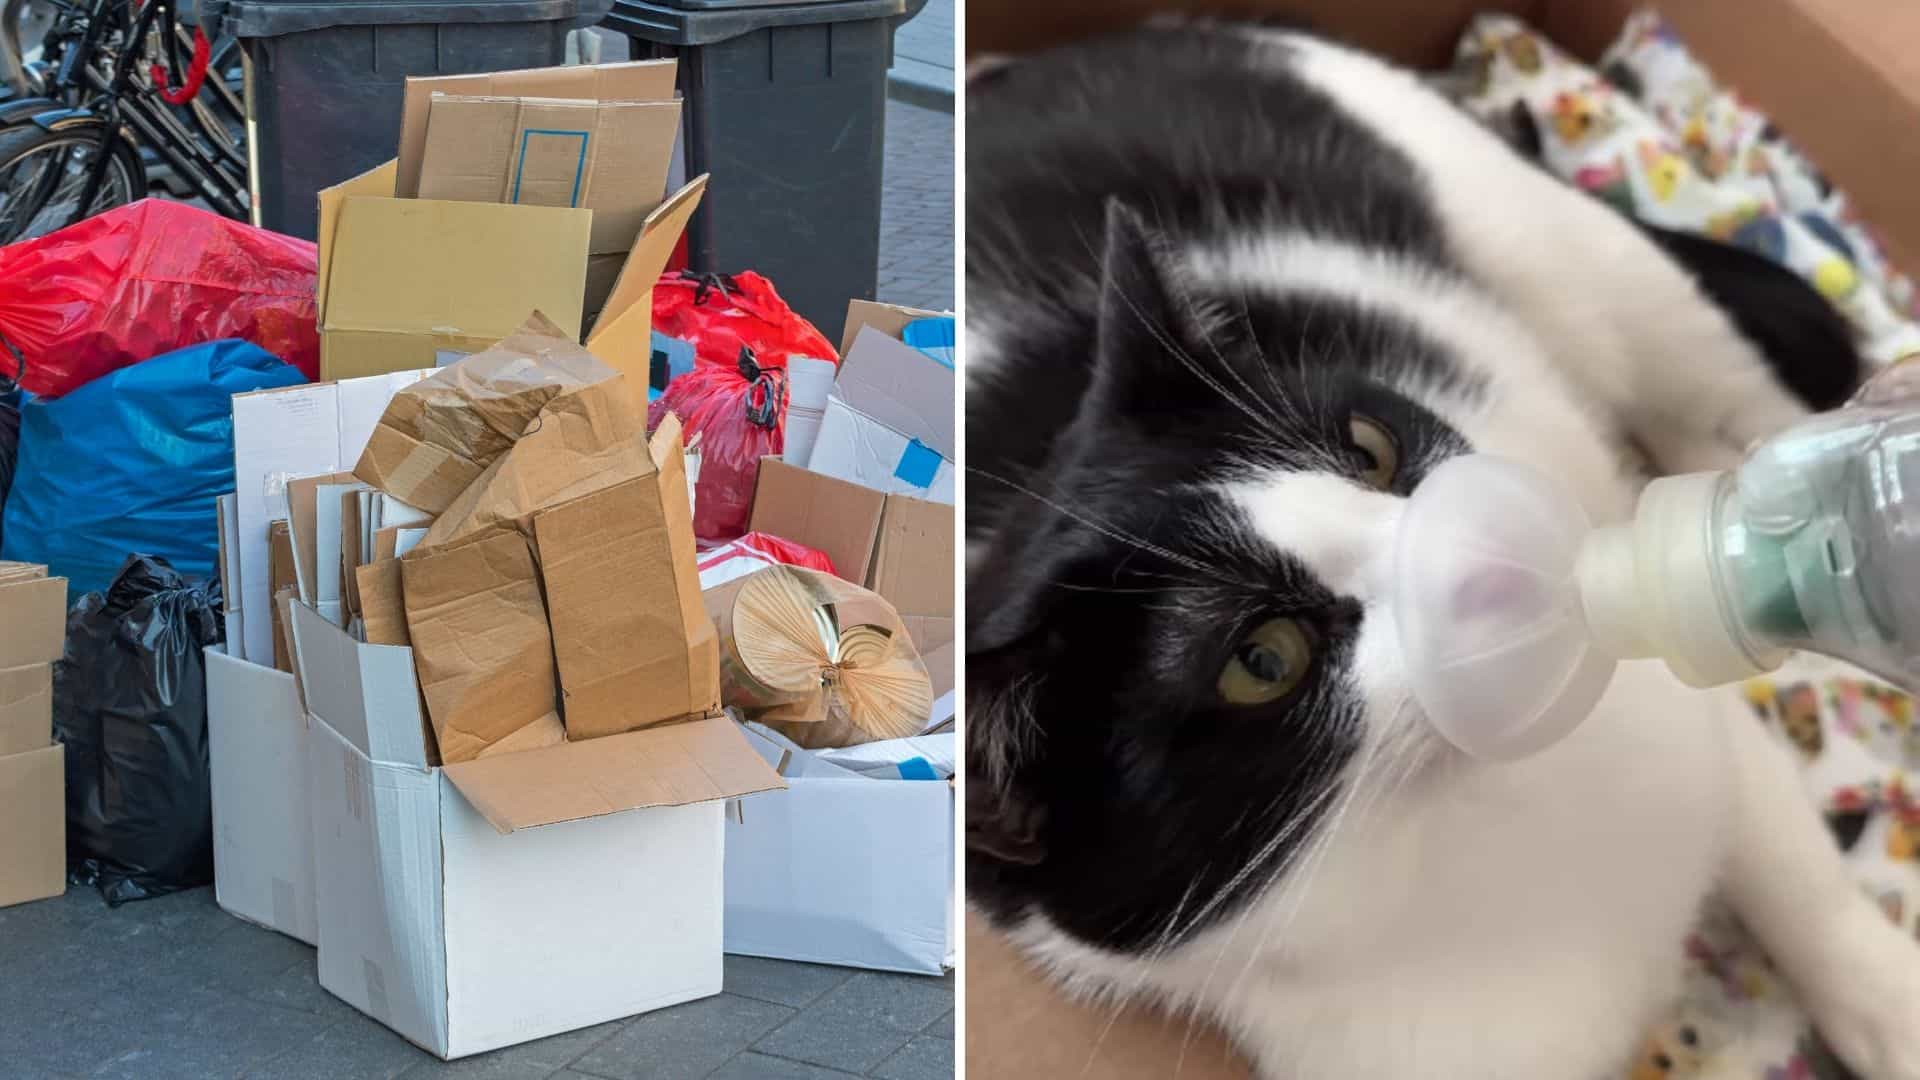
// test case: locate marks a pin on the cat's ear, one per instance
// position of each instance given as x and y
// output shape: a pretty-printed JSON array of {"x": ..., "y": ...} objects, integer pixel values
[{"x": 1149, "y": 328}]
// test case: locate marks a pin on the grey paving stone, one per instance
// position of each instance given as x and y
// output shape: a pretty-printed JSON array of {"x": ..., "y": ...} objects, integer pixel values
[
  {"x": 752, "y": 1066},
  {"x": 783, "y": 982},
  {"x": 861, "y": 1023},
  {"x": 199, "y": 1033},
  {"x": 528, "y": 1060},
  {"x": 356, "y": 1047},
  {"x": 297, "y": 986},
  {"x": 922, "y": 1059},
  {"x": 685, "y": 1042},
  {"x": 942, "y": 1028}
]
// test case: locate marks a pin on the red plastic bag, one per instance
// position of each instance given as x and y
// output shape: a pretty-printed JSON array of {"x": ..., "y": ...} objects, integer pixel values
[
  {"x": 739, "y": 411},
  {"x": 149, "y": 278},
  {"x": 735, "y": 398},
  {"x": 755, "y": 552},
  {"x": 720, "y": 313}
]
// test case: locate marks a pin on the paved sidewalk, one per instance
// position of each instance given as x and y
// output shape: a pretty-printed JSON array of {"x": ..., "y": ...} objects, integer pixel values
[
  {"x": 922, "y": 71},
  {"x": 175, "y": 987},
  {"x": 916, "y": 209}
]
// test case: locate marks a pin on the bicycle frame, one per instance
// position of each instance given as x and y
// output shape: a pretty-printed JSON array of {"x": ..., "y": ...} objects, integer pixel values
[{"x": 118, "y": 100}]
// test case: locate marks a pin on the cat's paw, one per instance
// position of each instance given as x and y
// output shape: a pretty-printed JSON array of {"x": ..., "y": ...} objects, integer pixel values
[{"x": 1868, "y": 1004}]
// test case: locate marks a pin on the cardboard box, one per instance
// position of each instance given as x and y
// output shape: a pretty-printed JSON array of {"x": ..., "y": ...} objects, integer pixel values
[
  {"x": 497, "y": 901},
  {"x": 642, "y": 80},
  {"x": 407, "y": 283},
  {"x": 842, "y": 869},
  {"x": 889, "y": 422},
  {"x": 622, "y": 335},
  {"x": 898, "y": 546},
  {"x": 33, "y": 841},
  {"x": 26, "y": 708},
  {"x": 888, "y": 319},
  {"x": 610, "y": 157},
  {"x": 33, "y": 615},
  {"x": 262, "y": 824}
]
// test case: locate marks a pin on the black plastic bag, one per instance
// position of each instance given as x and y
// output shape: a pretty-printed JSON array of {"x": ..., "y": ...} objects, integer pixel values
[{"x": 130, "y": 704}]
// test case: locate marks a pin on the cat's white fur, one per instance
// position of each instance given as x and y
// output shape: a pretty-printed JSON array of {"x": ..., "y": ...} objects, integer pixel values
[{"x": 1518, "y": 922}]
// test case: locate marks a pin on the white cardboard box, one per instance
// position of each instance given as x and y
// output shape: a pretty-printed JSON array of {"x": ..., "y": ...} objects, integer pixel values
[
  {"x": 488, "y": 903},
  {"x": 262, "y": 826},
  {"x": 889, "y": 420},
  {"x": 842, "y": 869},
  {"x": 854, "y": 446}
]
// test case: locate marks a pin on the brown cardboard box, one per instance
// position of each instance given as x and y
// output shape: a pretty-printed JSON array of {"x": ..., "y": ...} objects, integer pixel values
[
  {"x": 33, "y": 843},
  {"x": 481, "y": 646},
  {"x": 889, "y": 319},
  {"x": 611, "y": 157},
  {"x": 437, "y": 436},
  {"x": 281, "y": 578},
  {"x": 622, "y": 335},
  {"x": 900, "y": 547},
  {"x": 33, "y": 615},
  {"x": 26, "y": 708},
  {"x": 407, "y": 283},
  {"x": 643, "y": 80}
]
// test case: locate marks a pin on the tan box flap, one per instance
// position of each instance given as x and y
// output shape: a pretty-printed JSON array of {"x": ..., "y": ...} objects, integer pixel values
[
  {"x": 889, "y": 319},
  {"x": 26, "y": 708},
  {"x": 672, "y": 765},
  {"x": 303, "y": 511},
  {"x": 609, "y": 157},
  {"x": 822, "y": 512},
  {"x": 455, "y": 269},
  {"x": 375, "y": 183},
  {"x": 913, "y": 563},
  {"x": 640, "y": 80},
  {"x": 623, "y": 334}
]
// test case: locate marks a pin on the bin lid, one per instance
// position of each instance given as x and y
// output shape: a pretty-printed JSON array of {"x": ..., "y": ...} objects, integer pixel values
[
  {"x": 705, "y": 22},
  {"x": 276, "y": 18}
]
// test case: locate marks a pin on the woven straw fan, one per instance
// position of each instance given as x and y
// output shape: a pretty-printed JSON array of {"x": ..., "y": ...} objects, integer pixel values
[{"x": 821, "y": 682}]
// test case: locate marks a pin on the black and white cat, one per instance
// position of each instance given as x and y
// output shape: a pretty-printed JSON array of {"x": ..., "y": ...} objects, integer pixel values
[{"x": 1231, "y": 292}]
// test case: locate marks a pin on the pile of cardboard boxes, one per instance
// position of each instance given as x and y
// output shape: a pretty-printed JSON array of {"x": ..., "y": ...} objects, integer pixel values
[
  {"x": 469, "y": 681},
  {"x": 33, "y": 808}
]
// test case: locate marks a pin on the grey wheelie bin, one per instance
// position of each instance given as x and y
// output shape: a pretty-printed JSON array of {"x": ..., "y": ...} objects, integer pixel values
[{"x": 786, "y": 107}]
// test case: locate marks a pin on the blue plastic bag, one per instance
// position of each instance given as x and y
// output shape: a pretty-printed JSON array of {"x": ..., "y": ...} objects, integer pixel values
[{"x": 131, "y": 463}]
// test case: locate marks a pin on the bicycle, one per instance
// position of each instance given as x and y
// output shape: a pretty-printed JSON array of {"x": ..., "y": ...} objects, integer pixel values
[{"x": 72, "y": 148}]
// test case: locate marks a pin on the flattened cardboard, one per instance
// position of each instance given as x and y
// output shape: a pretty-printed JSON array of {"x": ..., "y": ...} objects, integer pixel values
[
  {"x": 610, "y": 157},
  {"x": 622, "y": 336},
  {"x": 888, "y": 319},
  {"x": 292, "y": 431},
  {"x": 633, "y": 644},
  {"x": 899, "y": 386},
  {"x": 281, "y": 575},
  {"x": 480, "y": 639},
  {"x": 835, "y": 516},
  {"x": 33, "y": 615},
  {"x": 33, "y": 846},
  {"x": 303, "y": 519},
  {"x": 262, "y": 822},
  {"x": 26, "y": 708},
  {"x": 642, "y": 80},
  {"x": 669, "y": 765},
  {"x": 913, "y": 558},
  {"x": 437, "y": 436}
]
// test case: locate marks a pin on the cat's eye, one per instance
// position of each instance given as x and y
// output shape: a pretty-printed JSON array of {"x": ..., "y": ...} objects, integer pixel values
[
  {"x": 1376, "y": 451},
  {"x": 1268, "y": 664}
]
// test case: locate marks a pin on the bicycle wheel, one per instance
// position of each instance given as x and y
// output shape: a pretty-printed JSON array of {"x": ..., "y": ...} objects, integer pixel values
[{"x": 43, "y": 174}]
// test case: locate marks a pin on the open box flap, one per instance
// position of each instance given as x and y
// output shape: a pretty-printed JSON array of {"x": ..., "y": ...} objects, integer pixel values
[
  {"x": 625, "y": 326},
  {"x": 376, "y": 182},
  {"x": 672, "y": 765},
  {"x": 899, "y": 386}
]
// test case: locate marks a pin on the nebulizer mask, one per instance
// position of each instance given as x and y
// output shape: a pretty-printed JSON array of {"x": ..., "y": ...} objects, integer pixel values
[{"x": 1513, "y": 611}]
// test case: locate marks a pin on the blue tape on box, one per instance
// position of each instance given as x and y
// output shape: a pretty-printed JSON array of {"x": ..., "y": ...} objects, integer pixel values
[
  {"x": 917, "y": 769},
  {"x": 579, "y": 169},
  {"x": 931, "y": 336},
  {"x": 918, "y": 464}
]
